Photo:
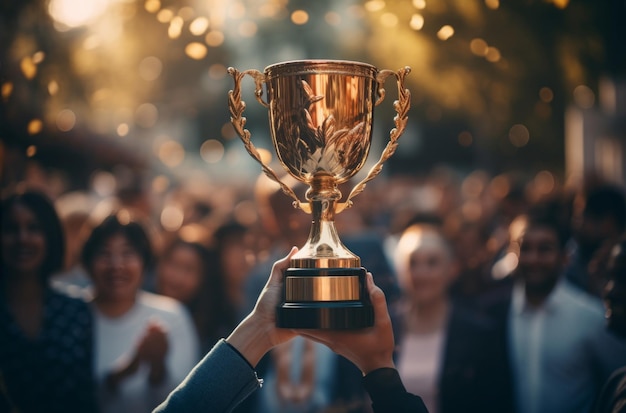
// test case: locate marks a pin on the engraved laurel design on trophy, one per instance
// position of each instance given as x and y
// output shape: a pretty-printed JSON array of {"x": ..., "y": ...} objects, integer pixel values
[
  {"x": 237, "y": 106},
  {"x": 320, "y": 117},
  {"x": 319, "y": 149}
]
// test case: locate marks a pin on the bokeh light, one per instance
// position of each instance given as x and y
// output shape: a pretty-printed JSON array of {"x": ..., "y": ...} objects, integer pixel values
[
  {"x": 146, "y": 115},
  {"x": 172, "y": 218},
  {"x": 31, "y": 151},
  {"x": 196, "y": 51},
  {"x": 34, "y": 126},
  {"x": 299, "y": 17},
  {"x": 150, "y": 68},
  {"x": 66, "y": 120},
  {"x": 417, "y": 22},
  {"x": 445, "y": 32},
  {"x": 74, "y": 13},
  {"x": 519, "y": 135},
  {"x": 171, "y": 153},
  {"x": 584, "y": 96},
  {"x": 199, "y": 26},
  {"x": 212, "y": 151}
]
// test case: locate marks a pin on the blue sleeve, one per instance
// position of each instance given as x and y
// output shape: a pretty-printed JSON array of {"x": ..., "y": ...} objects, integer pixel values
[{"x": 218, "y": 383}]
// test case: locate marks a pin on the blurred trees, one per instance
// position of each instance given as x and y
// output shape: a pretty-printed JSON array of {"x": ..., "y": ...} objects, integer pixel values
[{"x": 490, "y": 79}]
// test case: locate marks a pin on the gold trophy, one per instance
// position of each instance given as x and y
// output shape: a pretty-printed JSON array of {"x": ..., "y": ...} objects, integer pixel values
[{"x": 321, "y": 114}]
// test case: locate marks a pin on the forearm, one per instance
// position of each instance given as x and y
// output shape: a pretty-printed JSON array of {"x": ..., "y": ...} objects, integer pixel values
[
  {"x": 221, "y": 381},
  {"x": 250, "y": 340}
]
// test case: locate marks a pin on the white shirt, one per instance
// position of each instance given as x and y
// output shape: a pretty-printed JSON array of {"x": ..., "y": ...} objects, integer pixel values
[
  {"x": 420, "y": 364},
  {"x": 561, "y": 352},
  {"x": 116, "y": 340}
]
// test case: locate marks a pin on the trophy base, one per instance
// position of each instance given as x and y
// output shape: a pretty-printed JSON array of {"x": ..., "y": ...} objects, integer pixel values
[{"x": 325, "y": 298}]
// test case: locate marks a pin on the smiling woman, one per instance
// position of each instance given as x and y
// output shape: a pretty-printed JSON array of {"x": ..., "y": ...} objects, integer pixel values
[
  {"x": 46, "y": 346},
  {"x": 432, "y": 362},
  {"x": 137, "y": 360}
]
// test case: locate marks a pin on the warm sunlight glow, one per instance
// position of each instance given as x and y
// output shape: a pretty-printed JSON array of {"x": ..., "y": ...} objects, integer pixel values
[
  {"x": 374, "y": 5},
  {"x": 419, "y": 4},
  {"x": 152, "y": 6},
  {"x": 75, "y": 13}
]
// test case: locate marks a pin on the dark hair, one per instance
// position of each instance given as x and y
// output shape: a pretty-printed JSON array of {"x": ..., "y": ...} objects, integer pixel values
[
  {"x": 425, "y": 218},
  {"x": 208, "y": 264},
  {"x": 46, "y": 214},
  {"x": 549, "y": 215},
  {"x": 229, "y": 230},
  {"x": 207, "y": 307},
  {"x": 607, "y": 200},
  {"x": 133, "y": 231}
]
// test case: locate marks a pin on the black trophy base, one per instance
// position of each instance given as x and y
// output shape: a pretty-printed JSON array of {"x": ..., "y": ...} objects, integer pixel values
[{"x": 353, "y": 314}]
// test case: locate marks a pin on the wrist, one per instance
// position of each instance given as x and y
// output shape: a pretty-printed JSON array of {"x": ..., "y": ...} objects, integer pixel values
[
  {"x": 368, "y": 366},
  {"x": 251, "y": 340}
]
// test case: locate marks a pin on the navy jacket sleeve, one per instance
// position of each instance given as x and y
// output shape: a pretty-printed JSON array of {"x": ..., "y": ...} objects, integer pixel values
[
  {"x": 389, "y": 395},
  {"x": 218, "y": 383}
]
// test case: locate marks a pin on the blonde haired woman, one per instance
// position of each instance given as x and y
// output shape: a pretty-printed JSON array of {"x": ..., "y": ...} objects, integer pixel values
[{"x": 448, "y": 354}]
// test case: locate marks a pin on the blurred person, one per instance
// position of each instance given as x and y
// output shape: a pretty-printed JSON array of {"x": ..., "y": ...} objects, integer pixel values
[
  {"x": 145, "y": 343},
  {"x": 368, "y": 243},
  {"x": 470, "y": 240},
  {"x": 558, "y": 347},
  {"x": 448, "y": 354},
  {"x": 79, "y": 213},
  {"x": 226, "y": 376},
  {"x": 511, "y": 205},
  {"x": 46, "y": 345},
  {"x": 234, "y": 262},
  {"x": 601, "y": 218},
  {"x": 188, "y": 272},
  {"x": 73, "y": 277},
  {"x": 612, "y": 398}
]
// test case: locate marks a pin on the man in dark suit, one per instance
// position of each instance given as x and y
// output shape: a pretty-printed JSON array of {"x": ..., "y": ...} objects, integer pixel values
[{"x": 557, "y": 344}]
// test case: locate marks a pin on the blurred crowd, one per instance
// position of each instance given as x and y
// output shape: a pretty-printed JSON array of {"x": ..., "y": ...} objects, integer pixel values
[{"x": 495, "y": 285}]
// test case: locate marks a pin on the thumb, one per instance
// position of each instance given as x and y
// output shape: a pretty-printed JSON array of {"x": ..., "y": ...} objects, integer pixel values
[
  {"x": 377, "y": 297},
  {"x": 281, "y": 265}
]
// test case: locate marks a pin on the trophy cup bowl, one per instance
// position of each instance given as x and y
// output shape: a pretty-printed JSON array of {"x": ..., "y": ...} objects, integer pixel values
[{"x": 321, "y": 114}]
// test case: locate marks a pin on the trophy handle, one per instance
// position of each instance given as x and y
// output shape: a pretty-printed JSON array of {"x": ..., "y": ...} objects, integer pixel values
[
  {"x": 401, "y": 107},
  {"x": 236, "y": 107}
]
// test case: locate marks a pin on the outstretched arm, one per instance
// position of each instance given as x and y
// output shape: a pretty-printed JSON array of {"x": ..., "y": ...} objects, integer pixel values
[{"x": 225, "y": 376}]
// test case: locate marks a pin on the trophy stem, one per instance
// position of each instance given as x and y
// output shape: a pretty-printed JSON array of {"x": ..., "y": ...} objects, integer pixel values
[
  {"x": 323, "y": 248},
  {"x": 325, "y": 287}
]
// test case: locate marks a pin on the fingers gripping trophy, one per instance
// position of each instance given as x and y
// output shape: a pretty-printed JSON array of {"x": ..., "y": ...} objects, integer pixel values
[{"x": 321, "y": 115}]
